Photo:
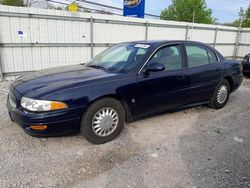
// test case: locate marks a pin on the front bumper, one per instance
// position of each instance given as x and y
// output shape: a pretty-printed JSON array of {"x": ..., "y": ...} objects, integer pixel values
[{"x": 61, "y": 122}]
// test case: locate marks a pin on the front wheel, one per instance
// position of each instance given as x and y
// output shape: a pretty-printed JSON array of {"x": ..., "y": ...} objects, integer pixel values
[
  {"x": 103, "y": 121},
  {"x": 221, "y": 95}
]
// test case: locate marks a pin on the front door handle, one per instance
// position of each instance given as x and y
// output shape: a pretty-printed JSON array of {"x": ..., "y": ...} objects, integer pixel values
[{"x": 181, "y": 77}]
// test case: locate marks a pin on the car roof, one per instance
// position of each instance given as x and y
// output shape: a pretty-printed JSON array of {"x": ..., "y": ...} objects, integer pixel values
[
  {"x": 160, "y": 42},
  {"x": 157, "y": 43}
]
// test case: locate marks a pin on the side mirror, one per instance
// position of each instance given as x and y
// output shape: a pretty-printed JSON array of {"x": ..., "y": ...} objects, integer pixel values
[{"x": 154, "y": 67}]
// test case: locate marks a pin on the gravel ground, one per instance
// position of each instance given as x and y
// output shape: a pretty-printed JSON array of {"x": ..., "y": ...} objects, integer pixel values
[{"x": 198, "y": 147}]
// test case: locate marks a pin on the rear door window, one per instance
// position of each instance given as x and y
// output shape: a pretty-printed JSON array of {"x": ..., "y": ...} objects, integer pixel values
[
  {"x": 197, "y": 55},
  {"x": 212, "y": 56}
]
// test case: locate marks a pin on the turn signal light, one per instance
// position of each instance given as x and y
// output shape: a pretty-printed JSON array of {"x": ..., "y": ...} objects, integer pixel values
[
  {"x": 39, "y": 127},
  {"x": 57, "y": 105}
]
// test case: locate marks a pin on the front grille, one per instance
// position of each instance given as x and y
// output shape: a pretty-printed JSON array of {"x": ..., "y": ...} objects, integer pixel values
[{"x": 12, "y": 100}]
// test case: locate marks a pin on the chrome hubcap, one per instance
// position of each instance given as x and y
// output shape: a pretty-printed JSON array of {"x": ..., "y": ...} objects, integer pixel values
[
  {"x": 222, "y": 94},
  {"x": 105, "y": 122}
]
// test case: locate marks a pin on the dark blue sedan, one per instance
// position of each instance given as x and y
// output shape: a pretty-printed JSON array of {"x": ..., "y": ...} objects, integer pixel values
[{"x": 127, "y": 81}]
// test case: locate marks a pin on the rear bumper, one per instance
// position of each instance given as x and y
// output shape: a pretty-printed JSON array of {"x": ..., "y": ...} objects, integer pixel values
[
  {"x": 237, "y": 81},
  {"x": 58, "y": 123}
]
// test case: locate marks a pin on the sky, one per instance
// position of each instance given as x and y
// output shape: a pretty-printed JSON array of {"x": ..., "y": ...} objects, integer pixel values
[{"x": 224, "y": 10}]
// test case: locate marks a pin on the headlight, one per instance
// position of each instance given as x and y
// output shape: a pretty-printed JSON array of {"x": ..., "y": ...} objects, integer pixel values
[{"x": 41, "y": 105}]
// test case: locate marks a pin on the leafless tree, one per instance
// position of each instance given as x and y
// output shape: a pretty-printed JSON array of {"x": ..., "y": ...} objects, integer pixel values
[
  {"x": 44, "y": 4},
  {"x": 31, "y": 3}
]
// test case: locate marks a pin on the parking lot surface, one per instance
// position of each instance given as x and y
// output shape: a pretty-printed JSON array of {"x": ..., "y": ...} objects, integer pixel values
[{"x": 198, "y": 147}]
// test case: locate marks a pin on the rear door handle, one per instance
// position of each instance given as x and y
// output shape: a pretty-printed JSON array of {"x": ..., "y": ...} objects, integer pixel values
[{"x": 181, "y": 77}]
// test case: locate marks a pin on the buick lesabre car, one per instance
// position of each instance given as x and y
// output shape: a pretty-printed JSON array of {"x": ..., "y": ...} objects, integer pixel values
[{"x": 127, "y": 81}]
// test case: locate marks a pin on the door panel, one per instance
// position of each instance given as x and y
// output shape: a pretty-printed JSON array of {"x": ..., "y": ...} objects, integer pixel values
[
  {"x": 204, "y": 73},
  {"x": 203, "y": 81},
  {"x": 161, "y": 91}
]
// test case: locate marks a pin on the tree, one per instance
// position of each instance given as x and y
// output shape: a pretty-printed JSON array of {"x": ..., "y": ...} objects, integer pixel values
[
  {"x": 244, "y": 18},
  {"x": 13, "y": 2},
  {"x": 186, "y": 10}
]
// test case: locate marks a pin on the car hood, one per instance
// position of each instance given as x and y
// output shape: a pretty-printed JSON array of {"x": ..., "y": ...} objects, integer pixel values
[{"x": 55, "y": 78}]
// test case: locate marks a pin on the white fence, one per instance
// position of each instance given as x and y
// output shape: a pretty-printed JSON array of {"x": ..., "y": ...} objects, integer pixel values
[{"x": 33, "y": 39}]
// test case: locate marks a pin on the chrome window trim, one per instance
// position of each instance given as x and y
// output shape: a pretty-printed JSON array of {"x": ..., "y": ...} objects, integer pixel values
[
  {"x": 176, "y": 43},
  {"x": 218, "y": 58}
]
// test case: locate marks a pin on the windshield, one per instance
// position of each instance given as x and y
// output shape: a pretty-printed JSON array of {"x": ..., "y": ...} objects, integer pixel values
[{"x": 120, "y": 58}]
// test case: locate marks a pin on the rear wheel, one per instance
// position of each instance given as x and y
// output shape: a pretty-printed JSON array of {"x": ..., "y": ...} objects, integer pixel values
[
  {"x": 103, "y": 121},
  {"x": 221, "y": 95}
]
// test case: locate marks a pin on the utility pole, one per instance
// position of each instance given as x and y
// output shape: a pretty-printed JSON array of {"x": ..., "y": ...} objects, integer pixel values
[
  {"x": 193, "y": 23},
  {"x": 193, "y": 17},
  {"x": 238, "y": 39}
]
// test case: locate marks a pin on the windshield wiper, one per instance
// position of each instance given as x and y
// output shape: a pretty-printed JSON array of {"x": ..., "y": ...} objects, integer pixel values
[{"x": 97, "y": 67}]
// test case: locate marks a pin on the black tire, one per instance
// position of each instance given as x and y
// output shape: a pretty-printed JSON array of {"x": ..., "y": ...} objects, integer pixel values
[
  {"x": 214, "y": 101},
  {"x": 86, "y": 129}
]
